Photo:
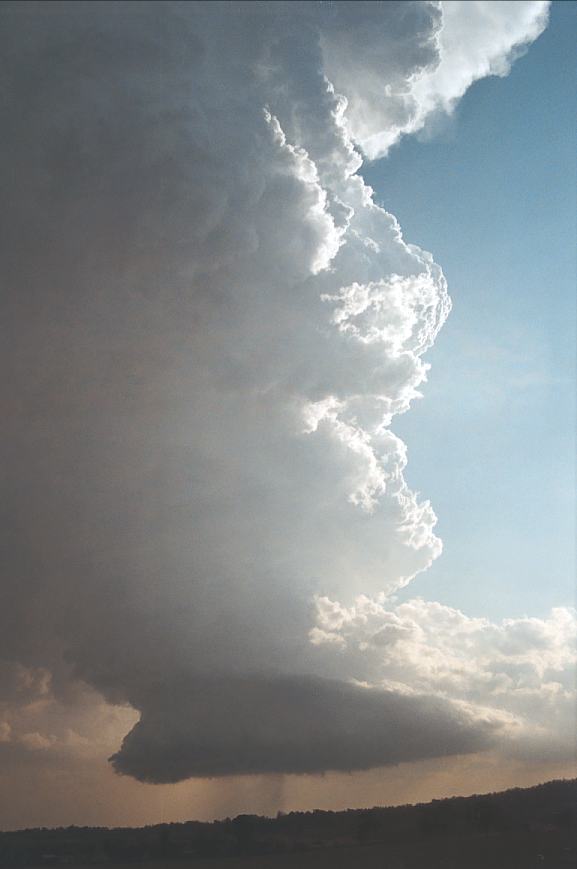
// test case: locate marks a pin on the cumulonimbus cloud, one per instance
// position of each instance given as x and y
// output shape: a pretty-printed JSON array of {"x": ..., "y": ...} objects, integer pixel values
[{"x": 209, "y": 327}]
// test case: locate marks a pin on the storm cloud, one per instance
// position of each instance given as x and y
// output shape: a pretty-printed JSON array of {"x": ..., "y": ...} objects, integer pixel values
[
  {"x": 304, "y": 724},
  {"x": 209, "y": 326}
]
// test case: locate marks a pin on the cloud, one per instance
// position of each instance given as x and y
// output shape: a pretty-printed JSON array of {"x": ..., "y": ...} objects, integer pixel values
[
  {"x": 209, "y": 326},
  {"x": 42, "y": 726},
  {"x": 305, "y": 725},
  {"x": 523, "y": 668},
  {"x": 400, "y": 81}
]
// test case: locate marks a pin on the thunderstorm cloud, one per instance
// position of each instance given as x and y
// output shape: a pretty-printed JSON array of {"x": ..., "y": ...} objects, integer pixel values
[{"x": 209, "y": 326}]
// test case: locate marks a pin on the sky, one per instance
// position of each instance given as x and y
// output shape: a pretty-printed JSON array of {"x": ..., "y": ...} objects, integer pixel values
[
  {"x": 503, "y": 416},
  {"x": 246, "y": 566}
]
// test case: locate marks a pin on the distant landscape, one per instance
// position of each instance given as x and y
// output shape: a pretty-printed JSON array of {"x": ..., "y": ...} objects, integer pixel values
[{"x": 517, "y": 828}]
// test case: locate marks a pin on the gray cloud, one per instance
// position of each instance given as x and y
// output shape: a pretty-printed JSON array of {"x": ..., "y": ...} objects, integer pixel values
[
  {"x": 208, "y": 327},
  {"x": 305, "y": 725}
]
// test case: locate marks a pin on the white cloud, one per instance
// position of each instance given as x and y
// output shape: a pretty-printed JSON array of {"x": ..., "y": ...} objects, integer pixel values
[
  {"x": 523, "y": 667},
  {"x": 469, "y": 40}
]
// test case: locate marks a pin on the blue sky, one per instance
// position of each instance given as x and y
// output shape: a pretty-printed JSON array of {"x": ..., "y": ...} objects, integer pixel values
[{"x": 492, "y": 445}]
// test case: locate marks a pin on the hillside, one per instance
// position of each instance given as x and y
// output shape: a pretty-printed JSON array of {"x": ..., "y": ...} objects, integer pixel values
[{"x": 517, "y": 828}]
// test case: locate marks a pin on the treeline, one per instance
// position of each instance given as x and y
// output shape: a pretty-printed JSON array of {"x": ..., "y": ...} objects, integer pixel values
[{"x": 548, "y": 807}]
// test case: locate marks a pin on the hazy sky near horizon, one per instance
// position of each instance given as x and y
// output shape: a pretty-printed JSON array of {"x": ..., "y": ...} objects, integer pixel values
[{"x": 222, "y": 565}]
